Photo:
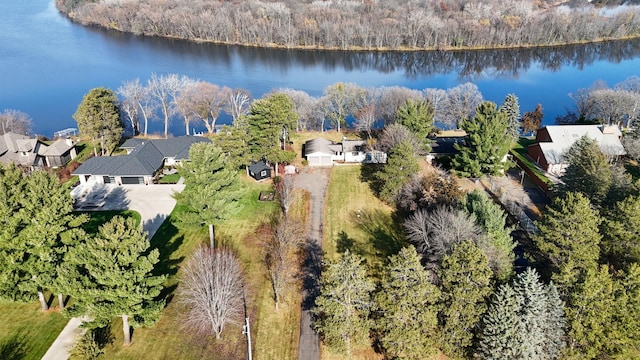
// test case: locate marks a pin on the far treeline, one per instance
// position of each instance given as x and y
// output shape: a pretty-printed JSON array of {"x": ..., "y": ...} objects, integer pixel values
[{"x": 368, "y": 24}]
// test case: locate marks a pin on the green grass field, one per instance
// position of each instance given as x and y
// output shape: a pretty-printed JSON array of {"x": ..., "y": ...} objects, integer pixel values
[{"x": 357, "y": 220}]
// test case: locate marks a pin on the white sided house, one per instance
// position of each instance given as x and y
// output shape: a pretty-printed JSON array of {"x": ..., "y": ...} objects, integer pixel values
[
  {"x": 552, "y": 143},
  {"x": 323, "y": 152},
  {"x": 143, "y": 160}
]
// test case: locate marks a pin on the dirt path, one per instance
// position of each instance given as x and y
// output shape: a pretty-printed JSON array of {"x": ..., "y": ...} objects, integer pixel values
[{"x": 315, "y": 181}]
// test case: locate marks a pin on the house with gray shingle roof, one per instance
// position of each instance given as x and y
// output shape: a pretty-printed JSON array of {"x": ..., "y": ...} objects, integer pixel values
[
  {"x": 144, "y": 158},
  {"x": 323, "y": 152},
  {"x": 33, "y": 153}
]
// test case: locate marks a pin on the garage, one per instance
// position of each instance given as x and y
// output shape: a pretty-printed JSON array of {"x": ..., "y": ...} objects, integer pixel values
[
  {"x": 318, "y": 152},
  {"x": 132, "y": 180},
  {"x": 319, "y": 159}
]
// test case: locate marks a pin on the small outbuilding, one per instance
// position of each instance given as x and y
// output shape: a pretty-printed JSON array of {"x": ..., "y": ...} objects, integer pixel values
[{"x": 260, "y": 170}]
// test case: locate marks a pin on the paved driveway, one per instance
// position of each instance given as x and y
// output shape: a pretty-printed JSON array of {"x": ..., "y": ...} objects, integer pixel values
[{"x": 153, "y": 202}]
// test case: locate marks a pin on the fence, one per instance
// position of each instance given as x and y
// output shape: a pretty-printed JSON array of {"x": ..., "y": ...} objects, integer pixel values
[{"x": 508, "y": 199}]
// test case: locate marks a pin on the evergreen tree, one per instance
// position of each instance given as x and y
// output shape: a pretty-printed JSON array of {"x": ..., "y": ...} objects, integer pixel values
[
  {"x": 401, "y": 165},
  {"x": 465, "y": 284},
  {"x": 487, "y": 143},
  {"x": 343, "y": 306},
  {"x": 98, "y": 116},
  {"x": 627, "y": 314},
  {"x": 407, "y": 303},
  {"x": 270, "y": 123},
  {"x": 117, "y": 277},
  {"x": 588, "y": 171},
  {"x": 501, "y": 326},
  {"x": 212, "y": 189},
  {"x": 232, "y": 140},
  {"x": 621, "y": 230},
  {"x": 524, "y": 321},
  {"x": 417, "y": 116},
  {"x": 590, "y": 315},
  {"x": 492, "y": 219},
  {"x": 568, "y": 236},
  {"x": 511, "y": 107}
]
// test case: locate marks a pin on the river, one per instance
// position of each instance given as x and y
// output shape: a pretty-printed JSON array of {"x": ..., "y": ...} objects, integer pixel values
[{"x": 47, "y": 63}]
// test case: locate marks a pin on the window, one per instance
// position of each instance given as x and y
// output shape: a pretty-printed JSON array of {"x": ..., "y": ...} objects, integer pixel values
[
  {"x": 263, "y": 173},
  {"x": 355, "y": 153}
]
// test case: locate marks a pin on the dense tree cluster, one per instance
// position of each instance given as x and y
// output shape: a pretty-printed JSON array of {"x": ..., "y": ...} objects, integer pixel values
[
  {"x": 361, "y": 25},
  {"x": 43, "y": 247}
]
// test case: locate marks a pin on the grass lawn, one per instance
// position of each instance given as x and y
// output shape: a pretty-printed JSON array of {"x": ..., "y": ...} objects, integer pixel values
[
  {"x": 26, "y": 332},
  {"x": 274, "y": 334},
  {"x": 357, "y": 220},
  {"x": 169, "y": 179}
]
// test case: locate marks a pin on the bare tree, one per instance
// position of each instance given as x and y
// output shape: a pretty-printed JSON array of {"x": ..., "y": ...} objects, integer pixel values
[
  {"x": 342, "y": 100},
  {"x": 366, "y": 118},
  {"x": 280, "y": 255},
  {"x": 391, "y": 98},
  {"x": 136, "y": 102},
  {"x": 395, "y": 134},
  {"x": 438, "y": 98},
  {"x": 461, "y": 103},
  {"x": 210, "y": 99},
  {"x": 14, "y": 121},
  {"x": 305, "y": 106},
  {"x": 165, "y": 88},
  {"x": 284, "y": 190},
  {"x": 434, "y": 233},
  {"x": 211, "y": 287},
  {"x": 239, "y": 101},
  {"x": 185, "y": 102}
]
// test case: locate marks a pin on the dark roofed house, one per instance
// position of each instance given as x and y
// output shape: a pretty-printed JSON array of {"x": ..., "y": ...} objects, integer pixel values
[
  {"x": 141, "y": 162},
  {"x": 323, "y": 152},
  {"x": 33, "y": 153},
  {"x": 260, "y": 170}
]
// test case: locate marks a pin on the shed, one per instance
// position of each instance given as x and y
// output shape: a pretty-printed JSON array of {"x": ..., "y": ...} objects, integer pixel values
[{"x": 260, "y": 170}]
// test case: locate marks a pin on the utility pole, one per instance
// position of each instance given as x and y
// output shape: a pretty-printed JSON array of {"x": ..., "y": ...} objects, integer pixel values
[{"x": 246, "y": 329}]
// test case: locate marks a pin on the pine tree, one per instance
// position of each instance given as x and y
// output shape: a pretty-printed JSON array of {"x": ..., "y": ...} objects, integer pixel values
[
  {"x": 270, "y": 123},
  {"x": 98, "y": 116},
  {"x": 117, "y": 277},
  {"x": 588, "y": 171},
  {"x": 212, "y": 189},
  {"x": 407, "y": 303},
  {"x": 568, "y": 236},
  {"x": 621, "y": 230},
  {"x": 501, "y": 326},
  {"x": 401, "y": 164},
  {"x": 232, "y": 140},
  {"x": 493, "y": 219},
  {"x": 487, "y": 143},
  {"x": 627, "y": 314},
  {"x": 417, "y": 116},
  {"x": 465, "y": 284},
  {"x": 343, "y": 306},
  {"x": 511, "y": 107},
  {"x": 590, "y": 315},
  {"x": 532, "y": 314}
]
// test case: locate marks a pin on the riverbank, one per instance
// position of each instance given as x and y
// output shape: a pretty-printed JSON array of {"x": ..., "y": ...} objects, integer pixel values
[{"x": 218, "y": 25}]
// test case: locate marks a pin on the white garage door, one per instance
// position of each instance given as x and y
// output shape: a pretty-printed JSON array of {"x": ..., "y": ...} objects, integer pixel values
[{"x": 319, "y": 160}]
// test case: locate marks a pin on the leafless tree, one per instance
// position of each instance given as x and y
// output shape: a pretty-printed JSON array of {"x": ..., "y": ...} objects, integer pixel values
[
  {"x": 342, "y": 100},
  {"x": 305, "y": 106},
  {"x": 434, "y": 233},
  {"x": 210, "y": 99},
  {"x": 185, "y": 102},
  {"x": 165, "y": 89},
  {"x": 15, "y": 121},
  {"x": 438, "y": 98},
  {"x": 365, "y": 118},
  {"x": 435, "y": 189},
  {"x": 280, "y": 255},
  {"x": 284, "y": 191},
  {"x": 238, "y": 104},
  {"x": 394, "y": 134},
  {"x": 137, "y": 102},
  {"x": 390, "y": 99},
  {"x": 461, "y": 103},
  {"x": 211, "y": 288}
]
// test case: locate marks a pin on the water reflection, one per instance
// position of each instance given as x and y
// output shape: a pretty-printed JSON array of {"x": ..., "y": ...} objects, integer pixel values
[{"x": 469, "y": 65}]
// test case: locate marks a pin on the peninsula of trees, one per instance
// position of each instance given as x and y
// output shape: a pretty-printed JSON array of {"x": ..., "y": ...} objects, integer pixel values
[{"x": 367, "y": 24}]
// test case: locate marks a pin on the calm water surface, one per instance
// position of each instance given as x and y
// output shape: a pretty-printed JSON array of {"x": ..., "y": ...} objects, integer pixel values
[{"x": 48, "y": 63}]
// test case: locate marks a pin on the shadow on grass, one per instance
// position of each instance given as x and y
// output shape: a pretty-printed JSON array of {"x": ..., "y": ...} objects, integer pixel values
[
  {"x": 167, "y": 241},
  {"x": 13, "y": 348},
  {"x": 384, "y": 233},
  {"x": 368, "y": 174}
]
